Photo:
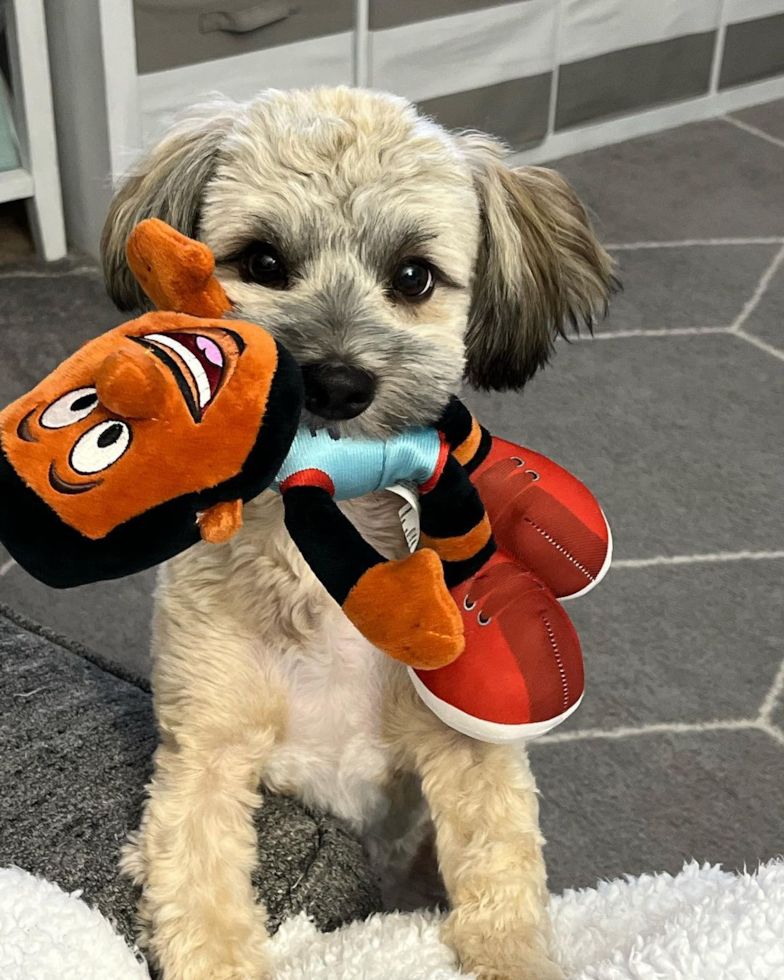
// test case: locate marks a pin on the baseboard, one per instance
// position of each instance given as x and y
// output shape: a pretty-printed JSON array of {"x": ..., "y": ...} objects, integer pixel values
[{"x": 582, "y": 138}]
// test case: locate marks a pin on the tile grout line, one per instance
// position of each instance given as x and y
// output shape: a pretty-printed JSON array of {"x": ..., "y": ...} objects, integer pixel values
[
  {"x": 753, "y": 131},
  {"x": 718, "y": 557},
  {"x": 771, "y": 698},
  {"x": 661, "y": 332},
  {"x": 53, "y": 274},
  {"x": 762, "y": 287},
  {"x": 773, "y": 730},
  {"x": 694, "y": 243},
  {"x": 663, "y": 728},
  {"x": 761, "y": 344}
]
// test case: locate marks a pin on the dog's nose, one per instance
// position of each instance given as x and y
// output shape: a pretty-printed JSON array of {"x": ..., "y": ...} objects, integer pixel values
[{"x": 337, "y": 391}]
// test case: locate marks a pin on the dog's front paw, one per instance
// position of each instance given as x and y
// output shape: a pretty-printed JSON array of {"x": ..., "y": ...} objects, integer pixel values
[
  {"x": 195, "y": 946},
  {"x": 535, "y": 967},
  {"x": 235, "y": 973},
  {"x": 500, "y": 954},
  {"x": 179, "y": 962}
]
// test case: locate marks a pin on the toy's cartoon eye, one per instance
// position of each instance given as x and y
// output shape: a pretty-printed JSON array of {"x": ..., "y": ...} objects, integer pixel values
[
  {"x": 100, "y": 446},
  {"x": 70, "y": 408}
]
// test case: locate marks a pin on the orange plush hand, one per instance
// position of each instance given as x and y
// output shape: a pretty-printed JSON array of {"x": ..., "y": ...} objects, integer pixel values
[
  {"x": 221, "y": 522},
  {"x": 175, "y": 272}
]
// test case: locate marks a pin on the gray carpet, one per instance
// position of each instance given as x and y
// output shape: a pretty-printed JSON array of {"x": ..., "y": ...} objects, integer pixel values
[
  {"x": 77, "y": 743},
  {"x": 673, "y": 416}
]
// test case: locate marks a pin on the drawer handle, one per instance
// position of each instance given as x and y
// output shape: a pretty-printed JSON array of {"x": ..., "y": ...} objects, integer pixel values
[{"x": 245, "y": 21}]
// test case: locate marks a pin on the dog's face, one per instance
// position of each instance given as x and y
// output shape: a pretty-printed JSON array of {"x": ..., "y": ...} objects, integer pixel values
[
  {"x": 353, "y": 240},
  {"x": 388, "y": 256}
]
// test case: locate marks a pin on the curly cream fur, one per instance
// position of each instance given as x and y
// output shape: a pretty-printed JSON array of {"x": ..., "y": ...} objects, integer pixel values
[{"x": 258, "y": 677}]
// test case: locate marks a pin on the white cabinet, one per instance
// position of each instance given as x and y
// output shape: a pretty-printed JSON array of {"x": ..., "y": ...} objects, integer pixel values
[{"x": 557, "y": 76}]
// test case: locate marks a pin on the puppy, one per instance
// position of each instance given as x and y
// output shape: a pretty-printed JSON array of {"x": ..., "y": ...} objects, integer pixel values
[{"x": 393, "y": 259}]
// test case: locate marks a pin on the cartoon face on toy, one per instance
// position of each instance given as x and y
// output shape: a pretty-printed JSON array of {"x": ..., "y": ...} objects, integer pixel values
[{"x": 160, "y": 407}]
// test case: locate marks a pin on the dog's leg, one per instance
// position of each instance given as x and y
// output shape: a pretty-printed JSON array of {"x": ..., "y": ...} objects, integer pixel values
[
  {"x": 197, "y": 846},
  {"x": 483, "y": 802}
]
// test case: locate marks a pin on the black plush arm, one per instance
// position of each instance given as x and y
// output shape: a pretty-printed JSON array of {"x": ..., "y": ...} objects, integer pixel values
[
  {"x": 336, "y": 552},
  {"x": 454, "y": 524},
  {"x": 468, "y": 440}
]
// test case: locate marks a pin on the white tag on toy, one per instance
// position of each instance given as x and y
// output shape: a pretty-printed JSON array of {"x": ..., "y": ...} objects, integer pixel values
[{"x": 408, "y": 513}]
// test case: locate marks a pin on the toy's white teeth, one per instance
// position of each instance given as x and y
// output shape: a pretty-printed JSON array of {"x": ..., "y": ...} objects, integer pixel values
[{"x": 191, "y": 362}]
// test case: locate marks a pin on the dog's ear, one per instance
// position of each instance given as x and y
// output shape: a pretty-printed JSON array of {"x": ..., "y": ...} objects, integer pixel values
[
  {"x": 539, "y": 266},
  {"x": 167, "y": 183}
]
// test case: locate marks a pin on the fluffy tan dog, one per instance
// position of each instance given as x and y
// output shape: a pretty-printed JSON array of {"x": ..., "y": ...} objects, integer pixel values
[{"x": 392, "y": 259}]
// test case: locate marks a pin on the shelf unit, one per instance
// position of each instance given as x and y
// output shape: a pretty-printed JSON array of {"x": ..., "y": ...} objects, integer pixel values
[{"x": 16, "y": 185}]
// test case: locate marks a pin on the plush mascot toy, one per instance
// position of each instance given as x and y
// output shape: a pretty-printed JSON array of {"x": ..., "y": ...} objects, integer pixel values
[{"x": 152, "y": 436}]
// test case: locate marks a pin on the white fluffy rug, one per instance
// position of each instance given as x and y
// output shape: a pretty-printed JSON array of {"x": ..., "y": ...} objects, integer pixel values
[
  {"x": 703, "y": 924},
  {"x": 47, "y": 934}
]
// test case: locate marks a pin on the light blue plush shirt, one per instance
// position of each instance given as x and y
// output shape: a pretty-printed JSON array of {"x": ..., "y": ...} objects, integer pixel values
[{"x": 361, "y": 466}]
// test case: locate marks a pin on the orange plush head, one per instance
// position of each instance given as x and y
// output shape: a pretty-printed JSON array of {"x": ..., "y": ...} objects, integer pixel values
[{"x": 110, "y": 463}]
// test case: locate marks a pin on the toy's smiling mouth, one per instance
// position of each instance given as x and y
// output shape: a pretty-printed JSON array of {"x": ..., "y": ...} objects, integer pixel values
[
  {"x": 65, "y": 486},
  {"x": 197, "y": 361}
]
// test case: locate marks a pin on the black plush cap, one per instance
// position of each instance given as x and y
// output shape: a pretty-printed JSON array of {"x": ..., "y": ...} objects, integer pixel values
[{"x": 59, "y": 556}]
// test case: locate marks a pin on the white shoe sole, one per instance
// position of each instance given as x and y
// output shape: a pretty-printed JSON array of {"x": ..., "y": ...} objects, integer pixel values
[
  {"x": 602, "y": 572},
  {"x": 478, "y": 728}
]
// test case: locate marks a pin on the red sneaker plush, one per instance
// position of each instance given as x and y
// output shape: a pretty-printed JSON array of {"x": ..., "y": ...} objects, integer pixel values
[
  {"x": 544, "y": 518},
  {"x": 521, "y": 673}
]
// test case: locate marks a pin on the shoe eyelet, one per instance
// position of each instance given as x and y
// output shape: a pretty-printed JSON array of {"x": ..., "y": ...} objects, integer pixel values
[
  {"x": 468, "y": 606},
  {"x": 520, "y": 462},
  {"x": 483, "y": 620},
  {"x": 533, "y": 474}
]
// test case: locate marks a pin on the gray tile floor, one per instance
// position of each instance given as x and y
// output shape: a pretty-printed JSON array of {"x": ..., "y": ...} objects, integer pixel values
[{"x": 673, "y": 415}]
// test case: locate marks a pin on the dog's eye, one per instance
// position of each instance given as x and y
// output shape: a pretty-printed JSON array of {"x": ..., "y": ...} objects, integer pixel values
[
  {"x": 413, "y": 280},
  {"x": 263, "y": 263}
]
